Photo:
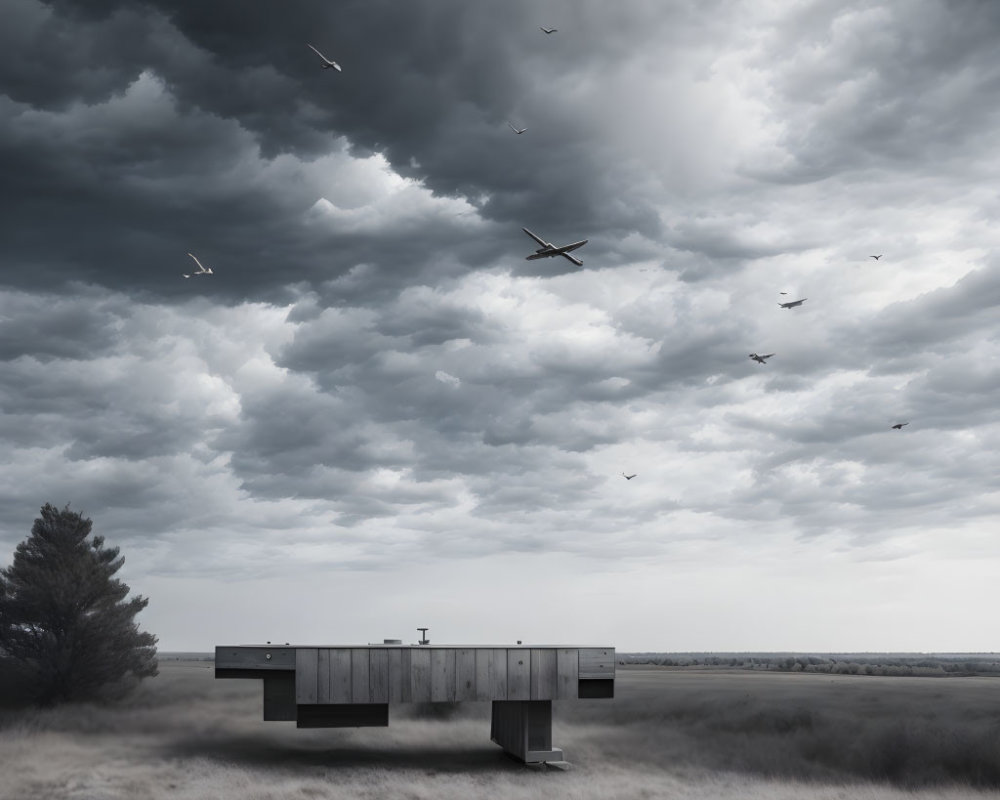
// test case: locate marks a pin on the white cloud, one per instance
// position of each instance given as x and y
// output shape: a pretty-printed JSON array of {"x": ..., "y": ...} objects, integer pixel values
[{"x": 447, "y": 379}]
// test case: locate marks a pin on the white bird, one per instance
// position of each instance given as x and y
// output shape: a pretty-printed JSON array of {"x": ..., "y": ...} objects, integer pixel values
[
  {"x": 516, "y": 130},
  {"x": 201, "y": 270},
  {"x": 547, "y": 30},
  {"x": 327, "y": 63}
]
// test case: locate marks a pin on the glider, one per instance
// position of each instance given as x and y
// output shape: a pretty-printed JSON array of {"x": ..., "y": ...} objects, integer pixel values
[{"x": 548, "y": 250}]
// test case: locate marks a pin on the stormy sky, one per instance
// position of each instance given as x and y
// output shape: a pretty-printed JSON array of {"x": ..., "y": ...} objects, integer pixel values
[{"x": 376, "y": 414}]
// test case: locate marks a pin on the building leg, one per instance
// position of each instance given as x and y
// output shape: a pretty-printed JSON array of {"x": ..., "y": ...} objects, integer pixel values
[{"x": 523, "y": 728}]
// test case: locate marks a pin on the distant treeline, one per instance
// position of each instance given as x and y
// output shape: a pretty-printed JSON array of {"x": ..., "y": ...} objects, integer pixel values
[
  {"x": 889, "y": 664},
  {"x": 182, "y": 656}
]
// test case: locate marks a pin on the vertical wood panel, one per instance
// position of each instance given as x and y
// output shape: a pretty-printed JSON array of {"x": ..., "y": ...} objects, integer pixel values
[
  {"x": 378, "y": 676},
  {"x": 420, "y": 674},
  {"x": 508, "y": 727},
  {"x": 543, "y": 673},
  {"x": 442, "y": 675},
  {"x": 465, "y": 674},
  {"x": 519, "y": 674},
  {"x": 567, "y": 663},
  {"x": 306, "y": 667},
  {"x": 498, "y": 675},
  {"x": 340, "y": 676},
  {"x": 406, "y": 676},
  {"x": 323, "y": 676},
  {"x": 396, "y": 675},
  {"x": 539, "y": 724},
  {"x": 360, "y": 664},
  {"x": 484, "y": 689}
]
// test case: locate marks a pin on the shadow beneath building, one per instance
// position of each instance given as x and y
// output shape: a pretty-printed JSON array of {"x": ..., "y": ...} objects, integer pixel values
[{"x": 262, "y": 753}]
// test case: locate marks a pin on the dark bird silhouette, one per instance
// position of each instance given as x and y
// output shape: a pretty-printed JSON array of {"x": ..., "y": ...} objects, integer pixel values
[
  {"x": 899, "y": 426},
  {"x": 629, "y": 477},
  {"x": 547, "y": 30},
  {"x": 876, "y": 257},
  {"x": 760, "y": 359},
  {"x": 782, "y": 292},
  {"x": 793, "y": 303}
]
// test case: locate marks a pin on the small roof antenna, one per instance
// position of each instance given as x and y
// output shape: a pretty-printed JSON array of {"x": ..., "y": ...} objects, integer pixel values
[{"x": 423, "y": 636}]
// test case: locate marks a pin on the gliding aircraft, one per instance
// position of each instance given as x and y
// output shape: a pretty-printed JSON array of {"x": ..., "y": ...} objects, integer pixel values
[{"x": 547, "y": 249}]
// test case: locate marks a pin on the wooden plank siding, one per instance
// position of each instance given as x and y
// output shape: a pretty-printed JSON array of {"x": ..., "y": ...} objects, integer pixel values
[
  {"x": 359, "y": 675},
  {"x": 378, "y": 676},
  {"x": 381, "y": 675},
  {"x": 543, "y": 674},
  {"x": 498, "y": 675},
  {"x": 519, "y": 674},
  {"x": 443, "y": 675},
  {"x": 340, "y": 676},
  {"x": 567, "y": 673},
  {"x": 420, "y": 675},
  {"x": 323, "y": 676},
  {"x": 509, "y": 728},
  {"x": 597, "y": 662},
  {"x": 406, "y": 686},
  {"x": 395, "y": 656},
  {"x": 465, "y": 674},
  {"x": 484, "y": 674},
  {"x": 306, "y": 668}
]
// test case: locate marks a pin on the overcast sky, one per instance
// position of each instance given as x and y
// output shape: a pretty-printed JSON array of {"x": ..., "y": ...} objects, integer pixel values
[{"x": 376, "y": 414}]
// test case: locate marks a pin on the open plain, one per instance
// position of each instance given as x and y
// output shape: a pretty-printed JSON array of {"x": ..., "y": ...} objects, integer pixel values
[{"x": 668, "y": 733}]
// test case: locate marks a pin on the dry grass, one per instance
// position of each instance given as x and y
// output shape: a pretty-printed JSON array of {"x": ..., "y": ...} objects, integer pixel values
[{"x": 667, "y": 734}]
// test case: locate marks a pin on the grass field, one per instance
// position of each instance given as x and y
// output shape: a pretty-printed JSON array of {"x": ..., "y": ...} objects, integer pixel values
[{"x": 668, "y": 733}]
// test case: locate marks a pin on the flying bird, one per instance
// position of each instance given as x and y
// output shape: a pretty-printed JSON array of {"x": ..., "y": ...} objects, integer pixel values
[
  {"x": 547, "y": 30},
  {"x": 793, "y": 303},
  {"x": 200, "y": 271},
  {"x": 899, "y": 426},
  {"x": 760, "y": 359},
  {"x": 547, "y": 249},
  {"x": 782, "y": 292},
  {"x": 327, "y": 63},
  {"x": 518, "y": 131},
  {"x": 876, "y": 257},
  {"x": 629, "y": 477}
]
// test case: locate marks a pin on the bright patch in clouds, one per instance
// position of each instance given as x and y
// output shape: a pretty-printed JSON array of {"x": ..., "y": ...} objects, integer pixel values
[{"x": 445, "y": 378}]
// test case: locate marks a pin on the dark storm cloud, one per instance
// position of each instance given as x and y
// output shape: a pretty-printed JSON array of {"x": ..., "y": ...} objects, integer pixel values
[
  {"x": 872, "y": 84},
  {"x": 171, "y": 109},
  {"x": 51, "y": 326}
]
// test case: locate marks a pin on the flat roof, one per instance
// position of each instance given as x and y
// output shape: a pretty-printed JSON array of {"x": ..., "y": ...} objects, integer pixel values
[{"x": 522, "y": 646}]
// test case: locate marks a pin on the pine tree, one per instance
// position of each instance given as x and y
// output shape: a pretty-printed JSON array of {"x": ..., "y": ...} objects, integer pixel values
[{"x": 64, "y": 620}]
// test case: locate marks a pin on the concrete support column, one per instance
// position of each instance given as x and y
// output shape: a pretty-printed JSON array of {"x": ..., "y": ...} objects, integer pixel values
[{"x": 523, "y": 728}]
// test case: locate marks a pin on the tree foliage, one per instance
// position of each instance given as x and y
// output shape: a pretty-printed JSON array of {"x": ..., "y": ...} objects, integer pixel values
[{"x": 64, "y": 619}]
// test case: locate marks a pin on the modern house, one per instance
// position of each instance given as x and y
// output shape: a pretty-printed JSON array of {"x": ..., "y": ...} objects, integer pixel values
[{"x": 335, "y": 686}]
